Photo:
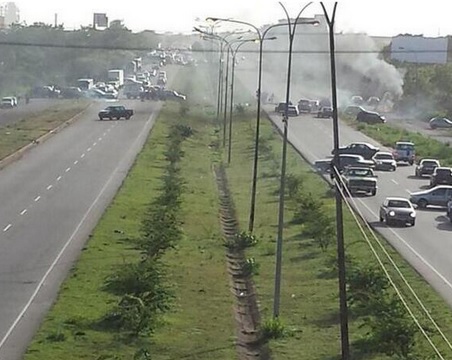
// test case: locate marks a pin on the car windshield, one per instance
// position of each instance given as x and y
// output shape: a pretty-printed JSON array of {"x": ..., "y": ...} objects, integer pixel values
[
  {"x": 384, "y": 157},
  {"x": 429, "y": 163},
  {"x": 360, "y": 172},
  {"x": 405, "y": 147},
  {"x": 399, "y": 204}
]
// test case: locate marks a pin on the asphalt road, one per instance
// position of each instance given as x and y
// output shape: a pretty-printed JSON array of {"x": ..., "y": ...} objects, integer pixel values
[
  {"x": 427, "y": 246},
  {"x": 51, "y": 200}
]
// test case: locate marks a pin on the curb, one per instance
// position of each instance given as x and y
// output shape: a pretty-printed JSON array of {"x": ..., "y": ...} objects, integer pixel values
[{"x": 19, "y": 153}]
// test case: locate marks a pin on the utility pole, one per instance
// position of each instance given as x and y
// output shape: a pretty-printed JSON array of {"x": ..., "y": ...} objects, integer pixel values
[{"x": 339, "y": 216}]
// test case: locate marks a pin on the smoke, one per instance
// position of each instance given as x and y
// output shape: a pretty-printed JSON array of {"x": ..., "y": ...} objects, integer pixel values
[{"x": 360, "y": 70}]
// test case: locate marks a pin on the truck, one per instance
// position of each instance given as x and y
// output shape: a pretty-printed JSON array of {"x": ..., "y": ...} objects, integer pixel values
[
  {"x": 85, "y": 84},
  {"x": 116, "y": 77},
  {"x": 115, "y": 112},
  {"x": 133, "y": 90},
  {"x": 360, "y": 179}
]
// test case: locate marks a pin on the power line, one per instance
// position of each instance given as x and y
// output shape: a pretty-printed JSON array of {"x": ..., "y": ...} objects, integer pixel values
[{"x": 355, "y": 210}]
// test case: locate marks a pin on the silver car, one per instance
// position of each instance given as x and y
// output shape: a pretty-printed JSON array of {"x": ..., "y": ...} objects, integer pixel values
[
  {"x": 437, "y": 196},
  {"x": 397, "y": 210}
]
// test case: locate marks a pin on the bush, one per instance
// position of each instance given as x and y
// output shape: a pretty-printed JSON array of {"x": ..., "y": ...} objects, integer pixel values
[
  {"x": 240, "y": 241},
  {"x": 273, "y": 329}
]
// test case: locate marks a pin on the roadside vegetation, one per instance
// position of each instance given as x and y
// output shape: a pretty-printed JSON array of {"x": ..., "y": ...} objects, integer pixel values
[
  {"x": 19, "y": 134},
  {"x": 388, "y": 135},
  {"x": 145, "y": 291}
]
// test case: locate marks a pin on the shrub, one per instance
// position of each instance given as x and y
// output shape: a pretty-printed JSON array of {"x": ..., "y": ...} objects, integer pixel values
[
  {"x": 273, "y": 329},
  {"x": 240, "y": 241}
]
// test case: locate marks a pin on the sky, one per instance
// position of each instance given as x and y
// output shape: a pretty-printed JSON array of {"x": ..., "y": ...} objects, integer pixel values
[{"x": 376, "y": 18}]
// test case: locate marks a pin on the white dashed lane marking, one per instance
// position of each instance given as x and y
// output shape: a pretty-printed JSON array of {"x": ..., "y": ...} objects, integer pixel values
[
  {"x": 395, "y": 182},
  {"x": 75, "y": 162},
  {"x": 23, "y": 212},
  {"x": 7, "y": 227},
  {"x": 37, "y": 198},
  {"x": 49, "y": 187},
  {"x": 59, "y": 178},
  {"x": 89, "y": 149},
  {"x": 68, "y": 169},
  {"x": 82, "y": 156}
]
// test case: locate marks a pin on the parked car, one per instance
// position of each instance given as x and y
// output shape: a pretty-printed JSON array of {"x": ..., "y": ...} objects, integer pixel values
[
  {"x": 353, "y": 110},
  {"x": 360, "y": 180},
  {"x": 345, "y": 161},
  {"x": 405, "y": 152},
  {"x": 426, "y": 167},
  {"x": 370, "y": 117},
  {"x": 441, "y": 176},
  {"x": 171, "y": 95},
  {"x": 280, "y": 108},
  {"x": 397, "y": 210},
  {"x": 304, "y": 105},
  {"x": 437, "y": 196},
  {"x": 384, "y": 161},
  {"x": 325, "y": 112},
  {"x": 94, "y": 93},
  {"x": 357, "y": 100},
  {"x": 7, "y": 103},
  {"x": 440, "y": 122},
  {"x": 364, "y": 149},
  {"x": 115, "y": 112},
  {"x": 71, "y": 93},
  {"x": 373, "y": 101},
  {"x": 292, "y": 110}
]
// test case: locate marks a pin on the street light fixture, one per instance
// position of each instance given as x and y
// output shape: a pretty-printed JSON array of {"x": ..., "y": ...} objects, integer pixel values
[
  {"x": 261, "y": 37},
  {"x": 337, "y": 181}
]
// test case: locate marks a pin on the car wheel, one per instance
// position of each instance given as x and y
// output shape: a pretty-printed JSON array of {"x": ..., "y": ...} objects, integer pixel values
[
  {"x": 387, "y": 221},
  {"x": 411, "y": 162},
  {"x": 127, "y": 117},
  {"x": 118, "y": 117},
  {"x": 413, "y": 222},
  {"x": 422, "y": 203},
  {"x": 374, "y": 192},
  {"x": 110, "y": 118},
  {"x": 101, "y": 118},
  {"x": 381, "y": 219}
]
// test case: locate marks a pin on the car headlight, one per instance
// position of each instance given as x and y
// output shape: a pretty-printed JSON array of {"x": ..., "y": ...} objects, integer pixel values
[
  {"x": 413, "y": 214},
  {"x": 391, "y": 213}
]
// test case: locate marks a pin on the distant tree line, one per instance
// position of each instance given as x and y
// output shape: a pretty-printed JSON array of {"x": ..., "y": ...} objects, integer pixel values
[{"x": 42, "y": 54}]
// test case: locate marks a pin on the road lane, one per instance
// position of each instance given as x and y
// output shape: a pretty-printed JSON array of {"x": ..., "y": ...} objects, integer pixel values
[{"x": 52, "y": 199}]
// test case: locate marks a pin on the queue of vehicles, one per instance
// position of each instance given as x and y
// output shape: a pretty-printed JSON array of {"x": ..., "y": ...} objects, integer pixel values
[{"x": 359, "y": 160}]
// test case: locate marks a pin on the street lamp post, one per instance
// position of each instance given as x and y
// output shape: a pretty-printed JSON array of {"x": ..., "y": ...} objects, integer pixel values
[
  {"x": 234, "y": 53},
  {"x": 261, "y": 37},
  {"x": 279, "y": 240},
  {"x": 339, "y": 216}
]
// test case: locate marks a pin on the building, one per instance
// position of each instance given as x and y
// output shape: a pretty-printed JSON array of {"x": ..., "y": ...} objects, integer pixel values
[
  {"x": 419, "y": 49},
  {"x": 9, "y": 14}
]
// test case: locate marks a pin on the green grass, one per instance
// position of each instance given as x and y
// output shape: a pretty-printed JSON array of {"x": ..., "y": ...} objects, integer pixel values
[
  {"x": 17, "y": 135},
  {"x": 201, "y": 323},
  {"x": 388, "y": 135},
  {"x": 309, "y": 299}
]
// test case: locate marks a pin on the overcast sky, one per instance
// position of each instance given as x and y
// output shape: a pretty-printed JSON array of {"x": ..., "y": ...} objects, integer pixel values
[{"x": 378, "y": 17}]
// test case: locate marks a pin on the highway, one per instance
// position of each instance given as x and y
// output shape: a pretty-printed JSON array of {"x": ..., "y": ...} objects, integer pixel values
[
  {"x": 427, "y": 246},
  {"x": 51, "y": 200}
]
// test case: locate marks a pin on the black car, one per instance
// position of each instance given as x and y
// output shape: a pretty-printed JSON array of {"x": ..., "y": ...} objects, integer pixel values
[
  {"x": 426, "y": 167},
  {"x": 115, "y": 112},
  {"x": 366, "y": 150},
  {"x": 441, "y": 176},
  {"x": 370, "y": 117}
]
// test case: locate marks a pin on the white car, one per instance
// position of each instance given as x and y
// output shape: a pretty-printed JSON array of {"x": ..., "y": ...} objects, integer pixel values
[{"x": 384, "y": 161}]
